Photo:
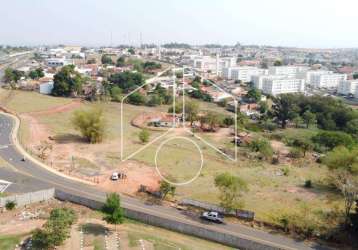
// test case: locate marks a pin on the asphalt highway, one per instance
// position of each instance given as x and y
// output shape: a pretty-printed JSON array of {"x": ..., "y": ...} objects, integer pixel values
[{"x": 27, "y": 173}]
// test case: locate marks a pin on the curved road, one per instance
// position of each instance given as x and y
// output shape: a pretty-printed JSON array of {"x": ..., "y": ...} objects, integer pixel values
[{"x": 46, "y": 178}]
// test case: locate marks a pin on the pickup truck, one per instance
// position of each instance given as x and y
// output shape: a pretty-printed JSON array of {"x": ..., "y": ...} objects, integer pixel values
[{"x": 213, "y": 216}]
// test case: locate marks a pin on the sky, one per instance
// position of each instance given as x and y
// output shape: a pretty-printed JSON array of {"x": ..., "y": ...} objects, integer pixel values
[{"x": 297, "y": 23}]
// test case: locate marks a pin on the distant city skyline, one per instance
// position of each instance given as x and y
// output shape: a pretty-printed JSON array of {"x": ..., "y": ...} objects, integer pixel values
[{"x": 304, "y": 23}]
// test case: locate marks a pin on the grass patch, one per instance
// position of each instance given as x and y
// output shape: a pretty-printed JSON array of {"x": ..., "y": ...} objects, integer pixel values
[
  {"x": 22, "y": 101},
  {"x": 8, "y": 242},
  {"x": 165, "y": 239}
]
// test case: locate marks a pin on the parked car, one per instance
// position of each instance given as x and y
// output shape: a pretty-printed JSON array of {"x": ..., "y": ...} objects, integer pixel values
[
  {"x": 115, "y": 176},
  {"x": 213, "y": 216}
]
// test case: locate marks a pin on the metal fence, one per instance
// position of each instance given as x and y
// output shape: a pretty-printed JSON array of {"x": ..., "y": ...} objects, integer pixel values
[{"x": 29, "y": 198}]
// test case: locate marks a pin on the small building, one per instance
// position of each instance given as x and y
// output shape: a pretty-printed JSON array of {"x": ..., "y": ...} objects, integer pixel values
[{"x": 46, "y": 88}]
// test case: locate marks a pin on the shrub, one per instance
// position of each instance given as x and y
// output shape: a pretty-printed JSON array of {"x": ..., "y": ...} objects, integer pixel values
[
  {"x": 296, "y": 153},
  {"x": 144, "y": 136},
  {"x": 90, "y": 123},
  {"x": 136, "y": 99},
  {"x": 262, "y": 146},
  {"x": 269, "y": 125},
  {"x": 308, "y": 184},
  {"x": 56, "y": 230},
  {"x": 10, "y": 205},
  {"x": 285, "y": 171},
  {"x": 332, "y": 139}
]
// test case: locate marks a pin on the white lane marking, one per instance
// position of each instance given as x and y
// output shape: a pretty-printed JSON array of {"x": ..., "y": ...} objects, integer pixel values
[{"x": 4, "y": 185}]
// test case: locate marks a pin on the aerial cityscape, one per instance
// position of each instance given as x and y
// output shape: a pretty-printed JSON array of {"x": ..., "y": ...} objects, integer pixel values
[{"x": 178, "y": 125}]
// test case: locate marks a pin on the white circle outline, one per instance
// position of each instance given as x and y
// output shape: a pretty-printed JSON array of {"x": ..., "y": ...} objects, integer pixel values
[{"x": 201, "y": 157}]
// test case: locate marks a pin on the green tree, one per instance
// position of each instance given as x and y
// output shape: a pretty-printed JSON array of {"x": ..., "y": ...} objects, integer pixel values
[
  {"x": 254, "y": 94},
  {"x": 56, "y": 230},
  {"x": 131, "y": 51},
  {"x": 262, "y": 146},
  {"x": 263, "y": 107},
  {"x": 106, "y": 59},
  {"x": 191, "y": 111},
  {"x": 144, "y": 135},
  {"x": 116, "y": 93},
  {"x": 297, "y": 121},
  {"x": 127, "y": 80},
  {"x": 121, "y": 61},
  {"x": 344, "y": 166},
  {"x": 309, "y": 118},
  {"x": 332, "y": 139},
  {"x": 352, "y": 127},
  {"x": 113, "y": 212},
  {"x": 154, "y": 100},
  {"x": 278, "y": 63},
  {"x": 12, "y": 75},
  {"x": 136, "y": 99},
  {"x": 231, "y": 188},
  {"x": 90, "y": 123},
  {"x": 285, "y": 108},
  {"x": 166, "y": 188},
  {"x": 304, "y": 144},
  {"x": 242, "y": 121},
  {"x": 213, "y": 120},
  {"x": 67, "y": 82}
]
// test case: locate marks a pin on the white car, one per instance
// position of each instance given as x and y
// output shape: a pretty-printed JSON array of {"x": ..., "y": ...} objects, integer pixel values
[
  {"x": 115, "y": 176},
  {"x": 213, "y": 216}
]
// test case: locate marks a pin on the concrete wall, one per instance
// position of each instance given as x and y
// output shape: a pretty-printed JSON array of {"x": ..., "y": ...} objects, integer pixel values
[
  {"x": 193, "y": 230},
  {"x": 29, "y": 198}
]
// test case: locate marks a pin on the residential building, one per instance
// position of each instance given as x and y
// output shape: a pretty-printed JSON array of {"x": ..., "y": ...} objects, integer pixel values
[
  {"x": 327, "y": 80},
  {"x": 57, "y": 62},
  {"x": 292, "y": 71},
  {"x": 243, "y": 74},
  {"x": 347, "y": 87},
  {"x": 312, "y": 73},
  {"x": 259, "y": 79},
  {"x": 276, "y": 86}
]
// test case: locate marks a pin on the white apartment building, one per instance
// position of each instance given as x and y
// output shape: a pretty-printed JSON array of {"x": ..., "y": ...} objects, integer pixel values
[
  {"x": 242, "y": 73},
  {"x": 356, "y": 94},
  {"x": 347, "y": 87},
  {"x": 292, "y": 71},
  {"x": 327, "y": 80},
  {"x": 259, "y": 79},
  {"x": 311, "y": 73},
  {"x": 275, "y": 86},
  {"x": 213, "y": 64}
]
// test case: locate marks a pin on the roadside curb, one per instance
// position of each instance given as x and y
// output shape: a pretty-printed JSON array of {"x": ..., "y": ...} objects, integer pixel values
[{"x": 18, "y": 146}]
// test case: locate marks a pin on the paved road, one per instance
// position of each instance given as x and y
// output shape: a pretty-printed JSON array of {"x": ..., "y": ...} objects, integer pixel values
[
  {"x": 14, "y": 62},
  {"x": 37, "y": 175}
]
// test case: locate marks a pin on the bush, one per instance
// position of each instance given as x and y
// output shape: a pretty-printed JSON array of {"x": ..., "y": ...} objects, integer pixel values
[
  {"x": 144, "y": 136},
  {"x": 269, "y": 125},
  {"x": 90, "y": 123},
  {"x": 136, "y": 99},
  {"x": 296, "y": 153},
  {"x": 332, "y": 139},
  {"x": 308, "y": 184},
  {"x": 262, "y": 146},
  {"x": 10, "y": 205},
  {"x": 56, "y": 230},
  {"x": 285, "y": 171}
]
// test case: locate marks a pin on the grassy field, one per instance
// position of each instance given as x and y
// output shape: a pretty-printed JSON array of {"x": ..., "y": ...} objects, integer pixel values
[
  {"x": 269, "y": 190},
  {"x": 8, "y": 242},
  {"x": 23, "y": 101},
  {"x": 164, "y": 239}
]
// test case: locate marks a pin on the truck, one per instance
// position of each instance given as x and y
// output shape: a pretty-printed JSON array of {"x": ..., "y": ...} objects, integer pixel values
[{"x": 213, "y": 216}]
